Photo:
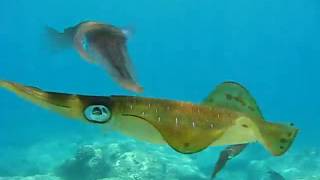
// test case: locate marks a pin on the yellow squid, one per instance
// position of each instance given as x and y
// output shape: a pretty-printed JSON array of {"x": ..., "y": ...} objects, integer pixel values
[{"x": 229, "y": 115}]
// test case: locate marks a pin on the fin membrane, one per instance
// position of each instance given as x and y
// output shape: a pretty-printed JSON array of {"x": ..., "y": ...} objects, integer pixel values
[
  {"x": 184, "y": 139},
  {"x": 188, "y": 141},
  {"x": 277, "y": 138},
  {"x": 234, "y": 96}
]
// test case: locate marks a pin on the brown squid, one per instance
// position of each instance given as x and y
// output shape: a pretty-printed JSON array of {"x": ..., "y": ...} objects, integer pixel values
[{"x": 101, "y": 44}]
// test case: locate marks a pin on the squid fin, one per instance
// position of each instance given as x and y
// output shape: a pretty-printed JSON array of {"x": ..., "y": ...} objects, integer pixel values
[
  {"x": 234, "y": 96},
  {"x": 183, "y": 139},
  {"x": 275, "y": 137}
]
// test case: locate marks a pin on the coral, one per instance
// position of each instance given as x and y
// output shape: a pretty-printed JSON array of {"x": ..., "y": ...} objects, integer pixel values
[
  {"x": 137, "y": 165},
  {"x": 134, "y": 160},
  {"x": 87, "y": 164},
  {"x": 303, "y": 165},
  {"x": 35, "y": 177},
  {"x": 120, "y": 158}
]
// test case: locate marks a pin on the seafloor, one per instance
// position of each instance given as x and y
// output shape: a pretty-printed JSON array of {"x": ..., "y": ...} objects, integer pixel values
[{"x": 114, "y": 157}]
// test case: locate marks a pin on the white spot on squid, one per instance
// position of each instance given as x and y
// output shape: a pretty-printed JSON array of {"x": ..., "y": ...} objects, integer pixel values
[
  {"x": 131, "y": 107},
  {"x": 211, "y": 125},
  {"x": 149, "y": 105},
  {"x": 218, "y": 115},
  {"x": 159, "y": 119},
  {"x": 143, "y": 113},
  {"x": 156, "y": 110},
  {"x": 176, "y": 121},
  {"x": 29, "y": 91},
  {"x": 193, "y": 124}
]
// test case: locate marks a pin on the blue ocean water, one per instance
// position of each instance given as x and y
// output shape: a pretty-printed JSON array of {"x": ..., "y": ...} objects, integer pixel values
[{"x": 181, "y": 50}]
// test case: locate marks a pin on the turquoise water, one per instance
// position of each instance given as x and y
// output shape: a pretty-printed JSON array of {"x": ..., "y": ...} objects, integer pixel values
[{"x": 181, "y": 50}]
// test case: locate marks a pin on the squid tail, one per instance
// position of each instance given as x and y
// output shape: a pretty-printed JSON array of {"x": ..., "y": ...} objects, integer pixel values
[{"x": 58, "y": 41}]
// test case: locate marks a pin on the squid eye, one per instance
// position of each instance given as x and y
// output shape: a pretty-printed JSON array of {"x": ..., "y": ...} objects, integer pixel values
[{"x": 97, "y": 113}]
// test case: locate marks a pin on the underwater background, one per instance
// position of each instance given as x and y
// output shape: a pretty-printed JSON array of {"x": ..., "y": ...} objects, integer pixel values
[{"x": 181, "y": 49}]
